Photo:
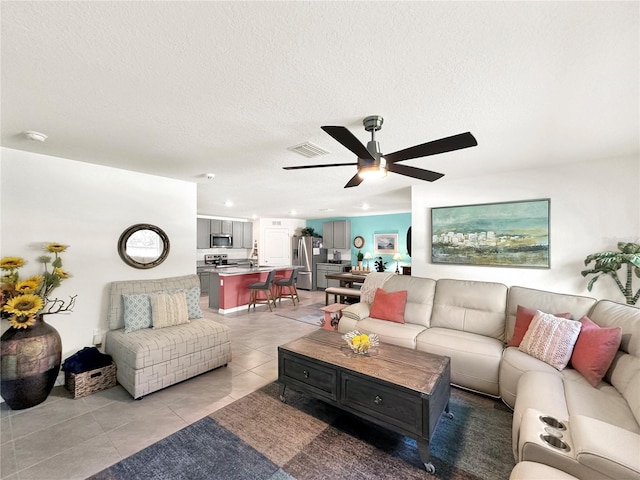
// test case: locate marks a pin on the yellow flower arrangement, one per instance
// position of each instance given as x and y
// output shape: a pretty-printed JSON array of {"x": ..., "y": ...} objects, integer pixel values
[{"x": 21, "y": 301}]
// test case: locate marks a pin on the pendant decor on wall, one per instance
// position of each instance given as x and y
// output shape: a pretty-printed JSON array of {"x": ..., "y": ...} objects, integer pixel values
[
  {"x": 512, "y": 234},
  {"x": 30, "y": 363}
]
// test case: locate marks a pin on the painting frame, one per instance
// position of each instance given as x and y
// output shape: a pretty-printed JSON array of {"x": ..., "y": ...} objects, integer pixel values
[
  {"x": 385, "y": 243},
  {"x": 501, "y": 234}
]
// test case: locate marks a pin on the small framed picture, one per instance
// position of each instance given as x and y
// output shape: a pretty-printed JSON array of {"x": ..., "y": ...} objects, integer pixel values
[{"x": 385, "y": 243}]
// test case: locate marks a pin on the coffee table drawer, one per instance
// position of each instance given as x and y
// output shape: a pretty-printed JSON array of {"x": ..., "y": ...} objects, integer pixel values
[
  {"x": 386, "y": 404},
  {"x": 312, "y": 376}
]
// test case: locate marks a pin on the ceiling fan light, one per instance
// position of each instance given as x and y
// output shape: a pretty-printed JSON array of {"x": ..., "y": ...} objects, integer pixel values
[{"x": 374, "y": 171}]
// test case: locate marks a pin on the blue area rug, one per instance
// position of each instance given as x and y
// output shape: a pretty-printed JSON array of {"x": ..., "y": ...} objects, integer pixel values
[{"x": 259, "y": 437}]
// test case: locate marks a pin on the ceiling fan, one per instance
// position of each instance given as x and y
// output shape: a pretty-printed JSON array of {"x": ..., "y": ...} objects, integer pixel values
[{"x": 373, "y": 163}]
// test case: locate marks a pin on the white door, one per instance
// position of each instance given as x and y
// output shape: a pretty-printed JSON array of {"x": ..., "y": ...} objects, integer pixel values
[{"x": 276, "y": 247}]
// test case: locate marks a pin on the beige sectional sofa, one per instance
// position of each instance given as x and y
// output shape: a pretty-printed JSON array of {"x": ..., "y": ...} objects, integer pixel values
[
  {"x": 472, "y": 322},
  {"x": 151, "y": 359}
]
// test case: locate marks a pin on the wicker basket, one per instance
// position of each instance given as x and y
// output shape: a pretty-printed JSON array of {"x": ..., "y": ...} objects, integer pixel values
[{"x": 86, "y": 383}]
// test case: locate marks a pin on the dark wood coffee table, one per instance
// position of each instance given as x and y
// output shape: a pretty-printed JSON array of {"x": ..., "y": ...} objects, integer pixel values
[{"x": 398, "y": 388}]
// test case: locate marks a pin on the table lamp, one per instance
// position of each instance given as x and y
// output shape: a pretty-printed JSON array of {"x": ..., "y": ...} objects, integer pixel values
[
  {"x": 397, "y": 257},
  {"x": 367, "y": 257}
]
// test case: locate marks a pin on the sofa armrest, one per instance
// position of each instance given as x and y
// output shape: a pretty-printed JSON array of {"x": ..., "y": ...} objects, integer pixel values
[
  {"x": 606, "y": 448},
  {"x": 357, "y": 311}
]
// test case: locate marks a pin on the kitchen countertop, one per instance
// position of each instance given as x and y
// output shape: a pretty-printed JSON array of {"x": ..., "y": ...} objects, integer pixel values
[{"x": 227, "y": 271}]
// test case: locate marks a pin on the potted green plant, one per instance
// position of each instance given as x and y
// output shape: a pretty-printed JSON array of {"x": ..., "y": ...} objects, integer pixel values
[
  {"x": 360, "y": 257},
  {"x": 608, "y": 263}
]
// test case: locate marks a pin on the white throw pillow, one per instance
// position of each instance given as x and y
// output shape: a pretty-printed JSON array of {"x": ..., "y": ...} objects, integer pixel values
[
  {"x": 169, "y": 309},
  {"x": 551, "y": 339}
]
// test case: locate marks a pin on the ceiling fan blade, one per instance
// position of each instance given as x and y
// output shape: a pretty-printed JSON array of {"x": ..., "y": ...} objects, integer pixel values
[
  {"x": 414, "y": 172},
  {"x": 299, "y": 167},
  {"x": 354, "y": 182},
  {"x": 348, "y": 140},
  {"x": 448, "y": 144}
]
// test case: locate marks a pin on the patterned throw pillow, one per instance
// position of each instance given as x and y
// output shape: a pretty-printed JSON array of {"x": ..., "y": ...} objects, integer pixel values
[
  {"x": 169, "y": 309},
  {"x": 551, "y": 339},
  {"x": 137, "y": 312},
  {"x": 193, "y": 302}
]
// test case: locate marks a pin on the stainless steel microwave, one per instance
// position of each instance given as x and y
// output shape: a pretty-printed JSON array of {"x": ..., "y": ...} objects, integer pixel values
[{"x": 221, "y": 240}]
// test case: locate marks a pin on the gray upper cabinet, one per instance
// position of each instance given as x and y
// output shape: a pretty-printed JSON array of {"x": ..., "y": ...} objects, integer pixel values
[
  {"x": 247, "y": 235},
  {"x": 216, "y": 226},
  {"x": 242, "y": 234},
  {"x": 336, "y": 234},
  {"x": 203, "y": 233}
]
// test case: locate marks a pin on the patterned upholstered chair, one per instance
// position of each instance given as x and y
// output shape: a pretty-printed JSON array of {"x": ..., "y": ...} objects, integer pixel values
[{"x": 149, "y": 359}]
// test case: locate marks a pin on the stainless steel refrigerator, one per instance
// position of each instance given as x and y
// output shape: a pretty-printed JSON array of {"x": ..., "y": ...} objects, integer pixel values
[{"x": 307, "y": 252}]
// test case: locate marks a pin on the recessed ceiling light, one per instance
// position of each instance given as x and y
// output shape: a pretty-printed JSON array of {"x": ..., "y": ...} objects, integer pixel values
[
  {"x": 365, "y": 206},
  {"x": 36, "y": 136},
  {"x": 210, "y": 176},
  {"x": 292, "y": 212},
  {"x": 228, "y": 203},
  {"x": 327, "y": 209}
]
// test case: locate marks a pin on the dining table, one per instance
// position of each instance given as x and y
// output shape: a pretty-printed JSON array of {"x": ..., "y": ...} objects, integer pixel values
[{"x": 347, "y": 279}]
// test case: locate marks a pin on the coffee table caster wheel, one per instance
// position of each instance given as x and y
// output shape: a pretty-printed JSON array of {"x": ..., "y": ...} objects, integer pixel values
[
  {"x": 282, "y": 399},
  {"x": 450, "y": 415},
  {"x": 430, "y": 468}
]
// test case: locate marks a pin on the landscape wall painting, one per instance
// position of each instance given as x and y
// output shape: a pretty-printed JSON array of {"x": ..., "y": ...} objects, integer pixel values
[{"x": 512, "y": 234}]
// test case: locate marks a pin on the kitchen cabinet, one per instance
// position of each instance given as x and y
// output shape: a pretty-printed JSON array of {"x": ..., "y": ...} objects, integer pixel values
[
  {"x": 204, "y": 282},
  {"x": 221, "y": 226},
  {"x": 323, "y": 269},
  {"x": 336, "y": 234},
  {"x": 242, "y": 234},
  {"x": 247, "y": 235},
  {"x": 203, "y": 235}
]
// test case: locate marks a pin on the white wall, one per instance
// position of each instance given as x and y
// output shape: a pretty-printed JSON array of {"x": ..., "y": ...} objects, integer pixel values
[
  {"x": 49, "y": 199},
  {"x": 594, "y": 205}
]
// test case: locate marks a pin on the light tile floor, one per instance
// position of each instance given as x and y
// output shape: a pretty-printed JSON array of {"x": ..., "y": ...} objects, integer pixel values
[{"x": 66, "y": 439}]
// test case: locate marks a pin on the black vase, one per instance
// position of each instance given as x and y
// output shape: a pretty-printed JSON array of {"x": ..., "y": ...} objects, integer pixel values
[{"x": 30, "y": 363}]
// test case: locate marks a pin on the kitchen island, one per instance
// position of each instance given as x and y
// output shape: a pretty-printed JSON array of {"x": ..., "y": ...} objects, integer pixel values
[{"x": 229, "y": 286}]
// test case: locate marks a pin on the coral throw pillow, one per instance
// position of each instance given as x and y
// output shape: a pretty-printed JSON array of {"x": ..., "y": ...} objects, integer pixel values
[
  {"x": 551, "y": 339},
  {"x": 389, "y": 306},
  {"x": 524, "y": 316},
  {"x": 595, "y": 350}
]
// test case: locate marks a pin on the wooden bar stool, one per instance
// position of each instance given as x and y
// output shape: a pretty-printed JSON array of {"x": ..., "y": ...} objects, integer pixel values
[
  {"x": 265, "y": 287},
  {"x": 290, "y": 285}
]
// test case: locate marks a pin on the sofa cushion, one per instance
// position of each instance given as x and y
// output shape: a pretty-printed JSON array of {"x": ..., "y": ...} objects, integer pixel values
[
  {"x": 594, "y": 350},
  {"x": 538, "y": 471},
  {"x": 148, "y": 347},
  {"x": 389, "y": 306},
  {"x": 603, "y": 402},
  {"x": 513, "y": 365},
  {"x": 402, "y": 334},
  {"x": 474, "y": 307},
  {"x": 524, "y": 316},
  {"x": 551, "y": 339},
  {"x": 624, "y": 373},
  {"x": 420, "y": 297},
  {"x": 544, "y": 301},
  {"x": 475, "y": 359},
  {"x": 169, "y": 309},
  {"x": 136, "y": 312},
  {"x": 115, "y": 314}
]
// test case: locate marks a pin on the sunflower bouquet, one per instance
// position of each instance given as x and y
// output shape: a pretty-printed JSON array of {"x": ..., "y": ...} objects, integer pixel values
[{"x": 22, "y": 300}]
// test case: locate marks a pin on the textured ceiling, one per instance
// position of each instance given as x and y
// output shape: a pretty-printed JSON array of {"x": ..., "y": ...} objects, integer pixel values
[{"x": 180, "y": 89}]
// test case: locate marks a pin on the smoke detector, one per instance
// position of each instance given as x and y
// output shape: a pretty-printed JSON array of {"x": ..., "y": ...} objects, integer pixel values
[{"x": 35, "y": 136}]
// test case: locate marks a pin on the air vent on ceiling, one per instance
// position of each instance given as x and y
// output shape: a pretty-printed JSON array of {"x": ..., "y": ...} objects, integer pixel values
[{"x": 309, "y": 150}]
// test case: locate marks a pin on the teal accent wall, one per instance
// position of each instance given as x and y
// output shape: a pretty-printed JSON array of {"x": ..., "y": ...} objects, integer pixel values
[{"x": 367, "y": 227}]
